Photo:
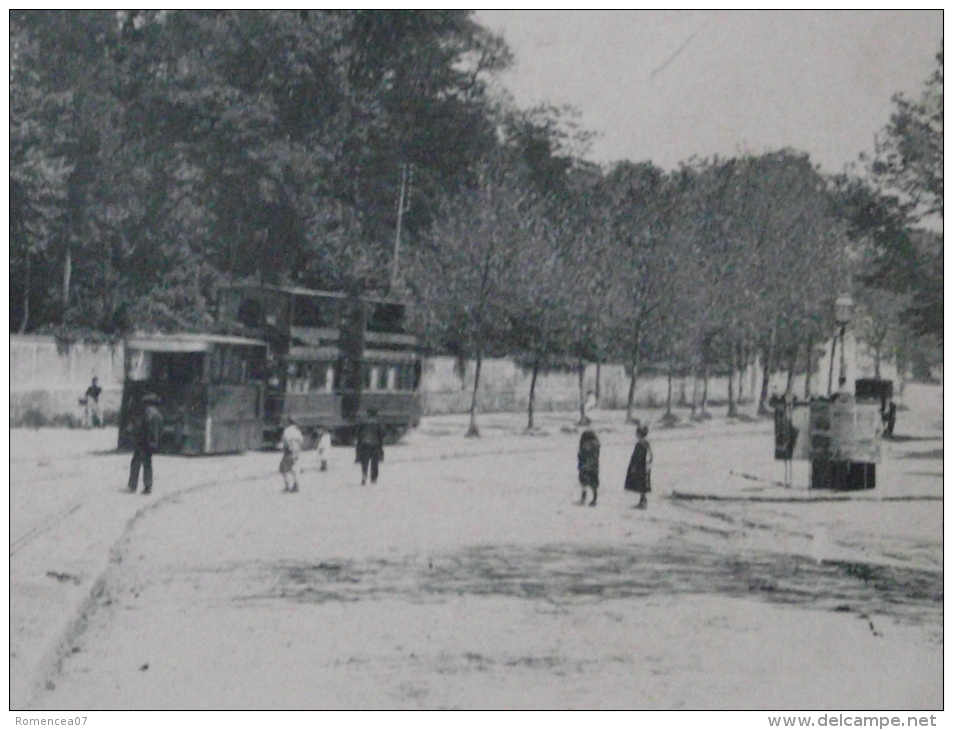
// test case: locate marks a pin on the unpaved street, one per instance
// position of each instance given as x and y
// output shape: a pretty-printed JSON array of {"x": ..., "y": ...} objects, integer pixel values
[{"x": 468, "y": 578}]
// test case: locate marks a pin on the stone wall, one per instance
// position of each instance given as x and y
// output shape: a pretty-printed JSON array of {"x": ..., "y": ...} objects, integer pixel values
[{"x": 47, "y": 379}]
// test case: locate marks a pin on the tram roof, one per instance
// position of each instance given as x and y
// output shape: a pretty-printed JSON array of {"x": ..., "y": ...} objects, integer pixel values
[
  {"x": 301, "y": 291},
  {"x": 187, "y": 342}
]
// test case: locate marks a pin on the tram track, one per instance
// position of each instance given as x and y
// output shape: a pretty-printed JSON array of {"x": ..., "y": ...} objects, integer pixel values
[{"x": 26, "y": 537}]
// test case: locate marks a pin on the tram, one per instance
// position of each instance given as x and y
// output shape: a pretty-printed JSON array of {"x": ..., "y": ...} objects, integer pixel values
[
  {"x": 211, "y": 389},
  {"x": 332, "y": 357}
]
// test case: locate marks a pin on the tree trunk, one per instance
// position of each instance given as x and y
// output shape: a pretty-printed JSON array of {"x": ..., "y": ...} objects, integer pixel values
[
  {"x": 830, "y": 373},
  {"x": 877, "y": 361},
  {"x": 532, "y": 393},
  {"x": 473, "y": 430},
  {"x": 900, "y": 359},
  {"x": 67, "y": 273},
  {"x": 754, "y": 374},
  {"x": 767, "y": 366},
  {"x": 792, "y": 366},
  {"x": 26, "y": 296},
  {"x": 739, "y": 355},
  {"x": 598, "y": 381},
  {"x": 732, "y": 406},
  {"x": 704, "y": 402},
  {"x": 668, "y": 397},
  {"x": 582, "y": 392},
  {"x": 808, "y": 370},
  {"x": 694, "y": 390},
  {"x": 630, "y": 400}
]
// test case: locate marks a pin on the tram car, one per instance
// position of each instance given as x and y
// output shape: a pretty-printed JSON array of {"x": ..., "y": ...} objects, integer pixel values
[
  {"x": 211, "y": 390},
  {"x": 332, "y": 357}
]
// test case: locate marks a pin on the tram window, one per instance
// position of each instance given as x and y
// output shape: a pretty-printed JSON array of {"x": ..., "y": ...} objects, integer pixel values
[
  {"x": 321, "y": 377},
  {"x": 256, "y": 363},
  {"x": 298, "y": 379},
  {"x": 228, "y": 365},
  {"x": 139, "y": 365},
  {"x": 384, "y": 317},
  {"x": 391, "y": 383},
  {"x": 177, "y": 367},
  {"x": 229, "y": 303},
  {"x": 312, "y": 311},
  {"x": 251, "y": 312},
  {"x": 381, "y": 380},
  {"x": 405, "y": 377}
]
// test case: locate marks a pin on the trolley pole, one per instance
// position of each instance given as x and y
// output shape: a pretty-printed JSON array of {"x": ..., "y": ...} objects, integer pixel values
[{"x": 400, "y": 218}]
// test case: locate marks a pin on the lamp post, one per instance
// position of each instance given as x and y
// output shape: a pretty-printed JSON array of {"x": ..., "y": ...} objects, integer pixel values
[{"x": 843, "y": 313}]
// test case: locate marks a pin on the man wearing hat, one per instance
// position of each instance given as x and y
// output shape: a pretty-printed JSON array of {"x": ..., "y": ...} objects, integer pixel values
[
  {"x": 145, "y": 434},
  {"x": 370, "y": 445}
]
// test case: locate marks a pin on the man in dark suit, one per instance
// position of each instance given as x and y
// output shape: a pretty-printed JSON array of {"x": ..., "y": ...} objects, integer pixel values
[
  {"x": 370, "y": 446},
  {"x": 146, "y": 430}
]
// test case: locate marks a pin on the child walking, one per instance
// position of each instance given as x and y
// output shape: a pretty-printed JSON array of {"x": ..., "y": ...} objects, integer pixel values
[
  {"x": 324, "y": 448},
  {"x": 588, "y": 465}
]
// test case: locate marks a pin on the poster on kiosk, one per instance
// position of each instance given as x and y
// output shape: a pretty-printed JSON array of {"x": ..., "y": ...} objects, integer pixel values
[{"x": 845, "y": 431}]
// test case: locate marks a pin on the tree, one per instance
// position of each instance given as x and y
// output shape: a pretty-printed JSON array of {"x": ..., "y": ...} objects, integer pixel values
[
  {"x": 892, "y": 255},
  {"x": 637, "y": 208},
  {"x": 542, "y": 307},
  {"x": 909, "y": 153},
  {"x": 463, "y": 278}
]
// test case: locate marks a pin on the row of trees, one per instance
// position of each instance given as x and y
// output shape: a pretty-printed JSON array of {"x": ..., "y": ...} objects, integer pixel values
[
  {"x": 156, "y": 154},
  {"x": 698, "y": 270}
]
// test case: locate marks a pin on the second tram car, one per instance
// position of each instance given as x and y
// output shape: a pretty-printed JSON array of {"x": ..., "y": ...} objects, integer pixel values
[{"x": 331, "y": 358}]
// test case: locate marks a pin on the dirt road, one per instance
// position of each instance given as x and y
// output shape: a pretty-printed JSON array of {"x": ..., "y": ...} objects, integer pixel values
[{"x": 468, "y": 578}]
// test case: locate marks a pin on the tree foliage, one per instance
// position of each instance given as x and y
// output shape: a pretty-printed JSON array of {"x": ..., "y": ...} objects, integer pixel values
[
  {"x": 157, "y": 154},
  {"x": 909, "y": 155}
]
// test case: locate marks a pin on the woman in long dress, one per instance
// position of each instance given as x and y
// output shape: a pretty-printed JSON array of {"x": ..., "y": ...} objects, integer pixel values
[{"x": 639, "y": 476}]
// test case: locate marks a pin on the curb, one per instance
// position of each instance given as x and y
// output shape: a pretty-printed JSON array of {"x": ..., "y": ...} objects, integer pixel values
[{"x": 805, "y": 499}]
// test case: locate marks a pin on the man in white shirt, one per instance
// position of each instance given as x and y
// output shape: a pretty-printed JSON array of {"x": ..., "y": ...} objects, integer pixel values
[
  {"x": 291, "y": 441},
  {"x": 324, "y": 448}
]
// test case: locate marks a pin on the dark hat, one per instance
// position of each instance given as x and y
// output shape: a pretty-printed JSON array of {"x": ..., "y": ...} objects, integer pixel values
[{"x": 151, "y": 398}]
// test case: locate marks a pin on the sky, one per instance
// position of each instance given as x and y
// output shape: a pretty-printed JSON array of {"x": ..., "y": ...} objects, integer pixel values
[{"x": 664, "y": 85}]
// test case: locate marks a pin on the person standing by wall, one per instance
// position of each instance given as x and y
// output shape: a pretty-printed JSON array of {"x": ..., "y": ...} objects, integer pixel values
[
  {"x": 147, "y": 428},
  {"x": 291, "y": 442},
  {"x": 638, "y": 478},
  {"x": 93, "y": 413},
  {"x": 370, "y": 446}
]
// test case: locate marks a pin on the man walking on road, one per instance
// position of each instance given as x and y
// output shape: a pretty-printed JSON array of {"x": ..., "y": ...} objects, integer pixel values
[
  {"x": 146, "y": 431},
  {"x": 370, "y": 446}
]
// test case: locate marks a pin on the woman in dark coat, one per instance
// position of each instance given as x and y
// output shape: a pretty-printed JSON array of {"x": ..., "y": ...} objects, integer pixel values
[
  {"x": 588, "y": 463},
  {"x": 639, "y": 476}
]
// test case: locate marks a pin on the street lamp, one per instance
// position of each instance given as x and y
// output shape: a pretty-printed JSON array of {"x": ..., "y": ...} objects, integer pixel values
[{"x": 843, "y": 313}]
